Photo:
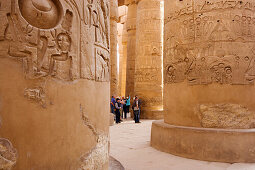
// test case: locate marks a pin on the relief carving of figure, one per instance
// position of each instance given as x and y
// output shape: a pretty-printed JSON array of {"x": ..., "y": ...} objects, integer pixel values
[
  {"x": 46, "y": 36},
  {"x": 32, "y": 38},
  {"x": 63, "y": 42}
]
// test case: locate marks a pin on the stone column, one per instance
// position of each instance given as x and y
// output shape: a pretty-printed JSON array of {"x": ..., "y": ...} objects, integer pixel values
[
  {"x": 124, "y": 61},
  {"x": 54, "y": 75},
  {"x": 131, "y": 46},
  {"x": 148, "y": 61},
  {"x": 209, "y": 74},
  {"x": 114, "y": 42},
  {"x": 122, "y": 42}
]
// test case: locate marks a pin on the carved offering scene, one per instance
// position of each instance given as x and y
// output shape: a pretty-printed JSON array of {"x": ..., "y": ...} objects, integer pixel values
[{"x": 46, "y": 36}]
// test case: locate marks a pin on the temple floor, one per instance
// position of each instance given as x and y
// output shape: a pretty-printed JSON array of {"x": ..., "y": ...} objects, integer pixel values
[{"x": 130, "y": 144}]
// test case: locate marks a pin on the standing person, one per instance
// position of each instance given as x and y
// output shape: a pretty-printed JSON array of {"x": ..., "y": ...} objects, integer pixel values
[
  {"x": 117, "y": 108},
  {"x": 113, "y": 101},
  {"x": 136, "y": 109},
  {"x": 122, "y": 107},
  {"x": 139, "y": 106},
  {"x": 125, "y": 108},
  {"x": 128, "y": 104}
]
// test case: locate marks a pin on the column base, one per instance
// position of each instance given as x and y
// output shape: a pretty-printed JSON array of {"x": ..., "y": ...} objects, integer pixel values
[{"x": 207, "y": 144}]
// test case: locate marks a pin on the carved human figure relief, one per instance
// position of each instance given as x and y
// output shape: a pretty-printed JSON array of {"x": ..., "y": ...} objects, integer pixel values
[
  {"x": 46, "y": 36},
  {"x": 222, "y": 44}
]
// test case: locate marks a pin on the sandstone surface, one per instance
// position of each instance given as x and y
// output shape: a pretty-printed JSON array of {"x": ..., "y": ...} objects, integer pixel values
[
  {"x": 54, "y": 73},
  {"x": 227, "y": 116}
]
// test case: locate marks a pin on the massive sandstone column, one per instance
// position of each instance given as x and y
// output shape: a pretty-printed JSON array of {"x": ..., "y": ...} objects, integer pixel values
[
  {"x": 54, "y": 76},
  {"x": 148, "y": 61},
  {"x": 114, "y": 42},
  {"x": 209, "y": 73},
  {"x": 122, "y": 42},
  {"x": 124, "y": 61},
  {"x": 131, "y": 46}
]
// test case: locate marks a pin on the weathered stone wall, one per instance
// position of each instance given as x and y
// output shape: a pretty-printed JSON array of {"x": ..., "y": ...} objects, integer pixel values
[
  {"x": 54, "y": 75},
  {"x": 209, "y": 56},
  {"x": 148, "y": 61}
]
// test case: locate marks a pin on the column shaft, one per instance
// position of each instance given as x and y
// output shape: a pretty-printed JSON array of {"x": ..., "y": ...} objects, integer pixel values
[
  {"x": 54, "y": 78},
  {"x": 148, "y": 61},
  {"x": 114, "y": 42},
  {"x": 131, "y": 48}
]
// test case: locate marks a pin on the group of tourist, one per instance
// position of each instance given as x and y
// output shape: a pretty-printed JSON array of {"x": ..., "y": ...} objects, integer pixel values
[{"x": 120, "y": 107}]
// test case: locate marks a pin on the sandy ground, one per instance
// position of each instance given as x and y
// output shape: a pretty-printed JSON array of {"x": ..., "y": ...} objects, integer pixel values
[{"x": 130, "y": 144}]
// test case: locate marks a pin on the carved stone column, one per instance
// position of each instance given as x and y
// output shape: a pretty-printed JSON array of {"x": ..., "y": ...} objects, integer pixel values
[
  {"x": 148, "y": 61},
  {"x": 114, "y": 42},
  {"x": 54, "y": 75},
  {"x": 124, "y": 61},
  {"x": 122, "y": 42},
  {"x": 131, "y": 46},
  {"x": 209, "y": 74}
]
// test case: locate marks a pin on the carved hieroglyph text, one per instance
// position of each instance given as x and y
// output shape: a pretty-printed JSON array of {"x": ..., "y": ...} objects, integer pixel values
[
  {"x": 46, "y": 37},
  {"x": 231, "y": 116},
  {"x": 36, "y": 94},
  {"x": 205, "y": 44}
]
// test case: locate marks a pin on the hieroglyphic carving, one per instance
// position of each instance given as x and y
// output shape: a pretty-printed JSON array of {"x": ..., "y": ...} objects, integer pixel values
[
  {"x": 36, "y": 94},
  {"x": 41, "y": 14},
  {"x": 8, "y": 154},
  {"x": 97, "y": 157},
  {"x": 96, "y": 15},
  {"x": 35, "y": 38},
  {"x": 47, "y": 36},
  {"x": 102, "y": 64},
  {"x": 148, "y": 75},
  {"x": 210, "y": 6},
  {"x": 151, "y": 101},
  {"x": 211, "y": 46},
  {"x": 227, "y": 116}
]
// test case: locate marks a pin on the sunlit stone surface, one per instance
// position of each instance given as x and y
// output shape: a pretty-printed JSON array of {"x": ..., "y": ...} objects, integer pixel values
[{"x": 54, "y": 73}]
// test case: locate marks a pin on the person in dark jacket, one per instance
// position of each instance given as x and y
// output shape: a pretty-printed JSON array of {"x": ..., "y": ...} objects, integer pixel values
[
  {"x": 136, "y": 109},
  {"x": 117, "y": 112}
]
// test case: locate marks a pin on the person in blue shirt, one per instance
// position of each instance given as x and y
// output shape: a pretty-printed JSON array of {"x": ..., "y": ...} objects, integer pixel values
[
  {"x": 113, "y": 101},
  {"x": 128, "y": 104}
]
